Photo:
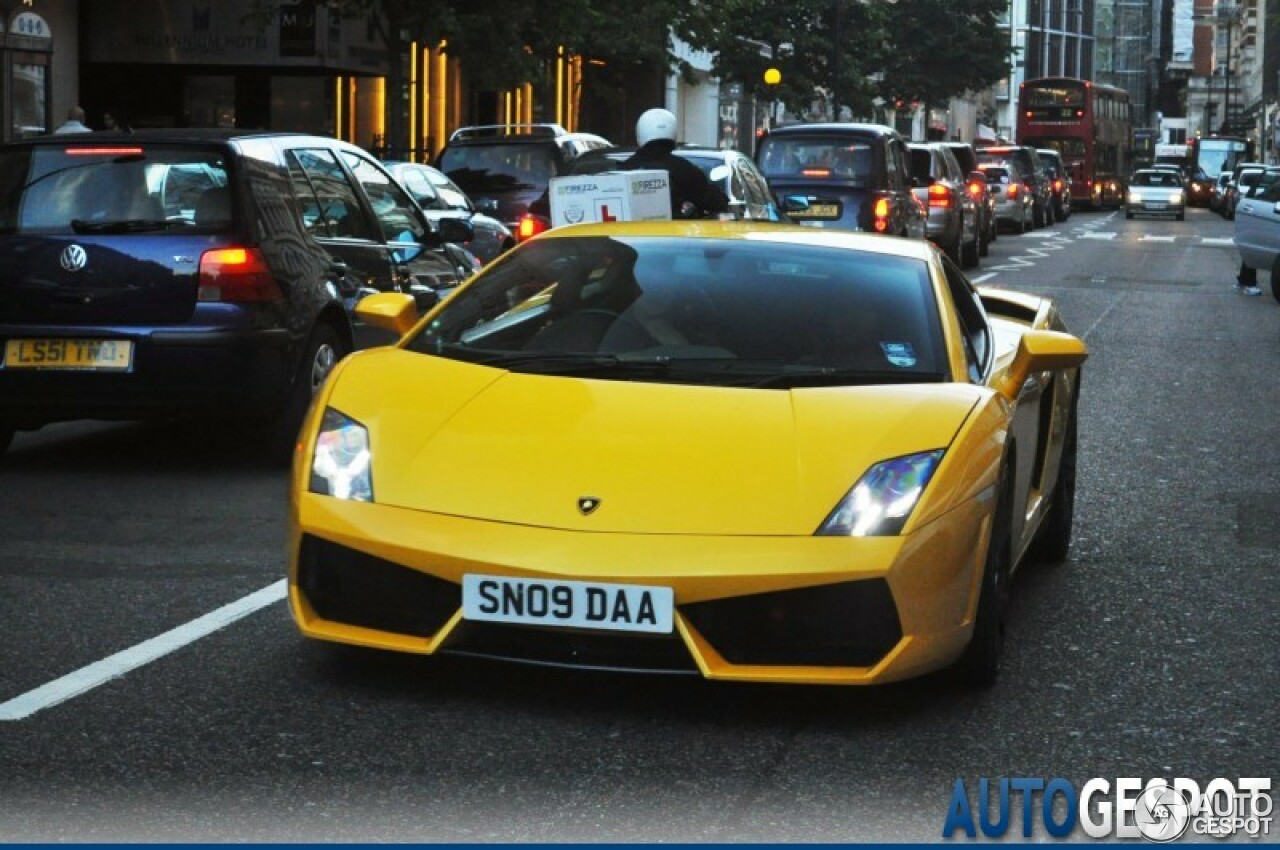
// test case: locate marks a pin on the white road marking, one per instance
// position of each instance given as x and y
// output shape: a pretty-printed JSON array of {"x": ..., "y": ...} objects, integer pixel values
[
  {"x": 113, "y": 666},
  {"x": 1217, "y": 240},
  {"x": 1106, "y": 234},
  {"x": 977, "y": 280},
  {"x": 1148, "y": 238},
  {"x": 1041, "y": 234}
]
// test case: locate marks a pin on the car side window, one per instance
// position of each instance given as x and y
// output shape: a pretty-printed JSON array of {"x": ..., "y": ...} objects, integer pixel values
[
  {"x": 329, "y": 204},
  {"x": 397, "y": 215},
  {"x": 974, "y": 330},
  {"x": 421, "y": 189}
]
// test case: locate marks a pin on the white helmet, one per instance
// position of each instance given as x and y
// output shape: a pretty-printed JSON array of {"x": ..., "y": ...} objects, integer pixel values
[{"x": 655, "y": 124}]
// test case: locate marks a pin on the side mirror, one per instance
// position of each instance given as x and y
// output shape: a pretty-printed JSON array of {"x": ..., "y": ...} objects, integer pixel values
[
  {"x": 424, "y": 298},
  {"x": 1041, "y": 351},
  {"x": 487, "y": 205},
  {"x": 390, "y": 311},
  {"x": 719, "y": 173},
  {"x": 456, "y": 230},
  {"x": 795, "y": 204}
]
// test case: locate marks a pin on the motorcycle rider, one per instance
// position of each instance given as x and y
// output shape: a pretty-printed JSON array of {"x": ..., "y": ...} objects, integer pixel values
[{"x": 692, "y": 194}]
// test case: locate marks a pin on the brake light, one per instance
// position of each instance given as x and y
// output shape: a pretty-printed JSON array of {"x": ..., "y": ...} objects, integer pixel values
[
  {"x": 881, "y": 211},
  {"x": 1014, "y": 188},
  {"x": 816, "y": 172},
  {"x": 236, "y": 275},
  {"x": 111, "y": 151},
  {"x": 939, "y": 196},
  {"x": 976, "y": 189},
  {"x": 1057, "y": 185},
  {"x": 530, "y": 226}
]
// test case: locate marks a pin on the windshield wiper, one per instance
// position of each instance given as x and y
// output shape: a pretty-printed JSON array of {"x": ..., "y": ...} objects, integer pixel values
[
  {"x": 131, "y": 225},
  {"x": 831, "y": 376}
]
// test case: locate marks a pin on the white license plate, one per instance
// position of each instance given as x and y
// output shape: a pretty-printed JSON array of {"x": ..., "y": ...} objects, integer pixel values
[
  {"x": 1155, "y": 205},
  {"x": 571, "y": 604}
]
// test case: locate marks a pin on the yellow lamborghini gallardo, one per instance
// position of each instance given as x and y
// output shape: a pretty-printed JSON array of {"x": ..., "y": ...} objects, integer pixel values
[{"x": 748, "y": 451}]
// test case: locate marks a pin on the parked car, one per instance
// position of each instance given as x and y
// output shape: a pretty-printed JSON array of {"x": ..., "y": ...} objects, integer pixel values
[
  {"x": 1026, "y": 162},
  {"x": 1257, "y": 228},
  {"x": 1059, "y": 182},
  {"x": 441, "y": 198},
  {"x": 511, "y": 165},
  {"x": 843, "y": 176},
  {"x": 1153, "y": 192},
  {"x": 941, "y": 186},
  {"x": 741, "y": 450},
  {"x": 733, "y": 172},
  {"x": 1012, "y": 197},
  {"x": 978, "y": 188},
  {"x": 1242, "y": 176},
  {"x": 174, "y": 272},
  {"x": 1200, "y": 188}
]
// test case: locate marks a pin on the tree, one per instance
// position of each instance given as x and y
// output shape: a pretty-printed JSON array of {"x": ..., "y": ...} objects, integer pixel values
[{"x": 940, "y": 49}]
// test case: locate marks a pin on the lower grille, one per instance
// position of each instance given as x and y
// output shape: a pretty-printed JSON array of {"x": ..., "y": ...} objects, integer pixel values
[
  {"x": 571, "y": 647},
  {"x": 852, "y": 624},
  {"x": 347, "y": 586}
]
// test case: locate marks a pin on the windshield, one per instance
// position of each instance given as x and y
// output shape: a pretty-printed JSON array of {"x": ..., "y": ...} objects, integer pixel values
[
  {"x": 76, "y": 188},
  {"x": 480, "y": 169},
  {"x": 697, "y": 311},
  {"x": 1156, "y": 178},
  {"x": 1060, "y": 93},
  {"x": 1215, "y": 156},
  {"x": 822, "y": 157}
]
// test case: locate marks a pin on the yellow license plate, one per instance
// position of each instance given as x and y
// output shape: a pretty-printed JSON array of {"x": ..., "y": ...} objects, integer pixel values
[
  {"x": 818, "y": 211},
  {"x": 104, "y": 354}
]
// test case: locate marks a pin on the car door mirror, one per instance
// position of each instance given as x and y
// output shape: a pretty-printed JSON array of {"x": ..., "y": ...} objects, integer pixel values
[
  {"x": 424, "y": 297},
  {"x": 488, "y": 206},
  {"x": 718, "y": 173},
  {"x": 1041, "y": 351},
  {"x": 390, "y": 311},
  {"x": 456, "y": 230},
  {"x": 795, "y": 204}
]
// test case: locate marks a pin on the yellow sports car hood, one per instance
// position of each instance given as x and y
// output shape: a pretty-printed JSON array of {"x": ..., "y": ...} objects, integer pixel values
[{"x": 618, "y": 456}]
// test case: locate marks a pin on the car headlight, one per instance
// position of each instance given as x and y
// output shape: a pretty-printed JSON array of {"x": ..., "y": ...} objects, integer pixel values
[
  {"x": 882, "y": 500},
  {"x": 1175, "y": 198},
  {"x": 1135, "y": 198},
  {"x": 340, "y": 463}
]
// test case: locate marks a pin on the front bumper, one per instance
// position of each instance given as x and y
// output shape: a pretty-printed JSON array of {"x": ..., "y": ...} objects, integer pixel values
[{"x": 796, "y": 610}]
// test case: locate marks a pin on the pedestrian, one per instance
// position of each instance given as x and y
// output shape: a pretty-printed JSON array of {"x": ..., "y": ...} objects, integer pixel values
[
  {"x": 74, "y": 123},
  {"x": 692, "y": 194},
  {"x": 1247, "y": 280}
]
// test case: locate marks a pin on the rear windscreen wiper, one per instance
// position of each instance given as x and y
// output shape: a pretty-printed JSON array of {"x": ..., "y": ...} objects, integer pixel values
[{"x": 130, "y": 225}]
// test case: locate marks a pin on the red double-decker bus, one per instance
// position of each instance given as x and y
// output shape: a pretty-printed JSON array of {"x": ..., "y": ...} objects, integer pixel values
[{"x": 1089, "y": 124}]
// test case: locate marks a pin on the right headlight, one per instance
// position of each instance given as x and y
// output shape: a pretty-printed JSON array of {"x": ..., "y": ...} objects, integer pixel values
[
  {"x": 882, "y": 500},
  {"x": 340, "y": 462}
]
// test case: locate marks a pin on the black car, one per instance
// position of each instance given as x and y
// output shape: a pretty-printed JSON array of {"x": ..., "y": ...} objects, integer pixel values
[
  {"x": 511, "y": 165},
  {"x": 843, "y": 175},
  {"x": 194, "y": 272}
]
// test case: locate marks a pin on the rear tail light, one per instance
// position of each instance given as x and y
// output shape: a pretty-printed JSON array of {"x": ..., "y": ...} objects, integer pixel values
[
  {"x": 236, "y": 275},
  {"x": 1014, "y": 190},
  {"x": 530, "y": 226},
  {"x": 1057, "y": 185},
  {"x": 977, "y": 189},
  {"x": 881, "y": 211},
  {"x": 816, "y": 172},
  {"x": 939, "y": 196}
]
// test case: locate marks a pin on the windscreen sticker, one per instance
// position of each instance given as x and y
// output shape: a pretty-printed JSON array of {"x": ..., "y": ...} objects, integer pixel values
[{"x": 899, "y": 353}]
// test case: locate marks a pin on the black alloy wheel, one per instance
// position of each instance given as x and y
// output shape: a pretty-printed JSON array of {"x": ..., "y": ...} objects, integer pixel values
[
  {"x": 979, "y": 665},
  {"x": 323, "y": 351}
]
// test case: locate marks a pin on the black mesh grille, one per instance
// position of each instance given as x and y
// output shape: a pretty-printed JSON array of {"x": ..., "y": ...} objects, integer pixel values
[
  {"x": 346, "y": 586},
  {"x": 572, "y": 647},
  {"x": 852, "y": 624}
]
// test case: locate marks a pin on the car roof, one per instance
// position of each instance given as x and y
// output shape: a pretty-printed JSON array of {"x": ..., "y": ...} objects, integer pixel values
[
  {"x": 835, "y": 128},
  {"x": 753, "y": 231},
  {"x": 188, "y": 134}
]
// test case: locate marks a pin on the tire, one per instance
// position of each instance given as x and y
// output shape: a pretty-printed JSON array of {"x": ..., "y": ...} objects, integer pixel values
[
  {"x": 1275, "y": 285},
  {"x": 1054, "y": 539},
  {"x": 1182, "y": 216},
  {"x": 1024, "y": 226},
  {"x": 6, "y": 436},
  {"x": 324, "y": 349},
  {"x": 969, "y": 253},
  {"x": 979, "y": 665},
  {"x": 956, "y": 250},
  {"x": 1128, "y": 214}
]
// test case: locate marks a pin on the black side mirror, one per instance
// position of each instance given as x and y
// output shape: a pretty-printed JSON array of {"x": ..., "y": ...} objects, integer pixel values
[
  {"x": 424, "y": 298},
  {"x": 795, "y": 204},
  {"x": 487, "y": 205},
  {"x": 456, "y": 230}
]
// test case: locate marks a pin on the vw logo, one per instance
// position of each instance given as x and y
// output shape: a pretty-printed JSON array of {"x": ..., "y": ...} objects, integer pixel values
[
  {"x": 74, "y": 258},
  {"x": 588, "y": 504}
]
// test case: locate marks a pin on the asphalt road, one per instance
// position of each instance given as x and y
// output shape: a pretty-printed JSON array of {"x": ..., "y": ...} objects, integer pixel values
[{"x": 1151, "y": 652}]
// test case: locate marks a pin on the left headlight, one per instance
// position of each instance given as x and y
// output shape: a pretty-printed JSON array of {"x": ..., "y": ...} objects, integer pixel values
[
  {"x": 340, "y": 463},
  {"x": 1135, "y": 197},
  {"x": 882, "y": 500},
  {"x": 1175, "y": 198}
]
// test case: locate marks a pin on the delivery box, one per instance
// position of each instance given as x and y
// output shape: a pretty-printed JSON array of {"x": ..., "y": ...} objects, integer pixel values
[{"x": 611, "y": 196}]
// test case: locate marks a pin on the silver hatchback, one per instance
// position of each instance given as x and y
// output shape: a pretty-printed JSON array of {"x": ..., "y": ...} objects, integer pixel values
[{"x": 1153, "y": 192}]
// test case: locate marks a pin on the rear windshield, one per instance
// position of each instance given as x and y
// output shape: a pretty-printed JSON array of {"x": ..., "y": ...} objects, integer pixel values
[
  {"x": 995, "y": 173},
  {"x": 80, "y": 188},
  {"x": 771, "y": 315},
  {"x": 820, "y": 157},
  {"x": 485, "y": 169}
]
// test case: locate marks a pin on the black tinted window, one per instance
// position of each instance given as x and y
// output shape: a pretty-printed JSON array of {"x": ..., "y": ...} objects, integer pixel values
[
  {"x": 329, "y": 203},
  {"x": 817, "y": 157}
]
